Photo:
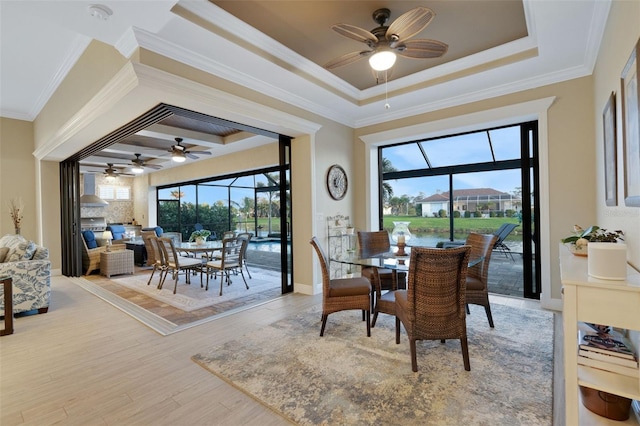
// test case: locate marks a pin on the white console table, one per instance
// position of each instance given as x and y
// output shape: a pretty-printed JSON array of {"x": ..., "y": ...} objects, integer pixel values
[{"x": 588, "y": 299}]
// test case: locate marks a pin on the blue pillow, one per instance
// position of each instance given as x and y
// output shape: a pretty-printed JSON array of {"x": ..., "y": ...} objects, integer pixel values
[
  {"x": 90, "y": 239},
  {"x": 159, "y": 231},
  {"x": 118, "y": 231}
]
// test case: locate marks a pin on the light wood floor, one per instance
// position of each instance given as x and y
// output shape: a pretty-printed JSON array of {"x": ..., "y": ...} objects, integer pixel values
[{"x": 87, "y": 363}]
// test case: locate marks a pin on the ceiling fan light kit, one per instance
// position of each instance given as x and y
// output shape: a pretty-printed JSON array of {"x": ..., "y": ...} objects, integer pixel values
[
  {"x": 385, "y": 42},
  {"x": 137, "y": 169},
  {"x": 178, "y": 157},
  {"x": 382, "y": 60}
]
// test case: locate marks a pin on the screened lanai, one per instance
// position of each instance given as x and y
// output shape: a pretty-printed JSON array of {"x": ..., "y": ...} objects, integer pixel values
[{"x": 243, "y": 203}]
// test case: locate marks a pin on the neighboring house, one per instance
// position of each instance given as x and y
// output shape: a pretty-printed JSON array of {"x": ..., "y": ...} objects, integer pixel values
[{"x": 479, "y": 201}]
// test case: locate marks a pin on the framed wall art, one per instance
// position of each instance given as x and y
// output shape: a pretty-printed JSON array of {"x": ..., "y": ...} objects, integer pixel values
[
  {"x": 610, "y": 152},
  {"x": 631, "y": 128}
]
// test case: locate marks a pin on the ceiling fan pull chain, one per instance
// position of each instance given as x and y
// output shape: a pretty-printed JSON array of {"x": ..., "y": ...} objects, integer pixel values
[{"x": 386, "y": 94}]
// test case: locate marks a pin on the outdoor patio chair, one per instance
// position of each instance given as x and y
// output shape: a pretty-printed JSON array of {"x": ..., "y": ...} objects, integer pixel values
[
  {"x": 247, "y": 237},
  {"x": 478, "y": 275},
  {"x": 502, "y": 233},
  {"x": 230, "y": 261},
  {"x": 433, "y": 306},
  {"x": 342, "y": 294},
  {"x": 175, "y": 263}
]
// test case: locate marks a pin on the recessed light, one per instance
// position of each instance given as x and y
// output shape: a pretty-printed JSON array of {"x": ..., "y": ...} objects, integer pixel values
[{"x": 100, "y": 11}]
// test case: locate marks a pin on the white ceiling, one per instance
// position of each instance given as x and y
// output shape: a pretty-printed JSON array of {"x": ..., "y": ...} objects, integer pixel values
[{"x": 42, "y": 40}]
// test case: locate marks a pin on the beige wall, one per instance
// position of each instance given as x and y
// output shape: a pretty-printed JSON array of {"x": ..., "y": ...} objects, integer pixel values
[
  {"x": 17, "y": 175},
  {"x": 622, "y": 34}
]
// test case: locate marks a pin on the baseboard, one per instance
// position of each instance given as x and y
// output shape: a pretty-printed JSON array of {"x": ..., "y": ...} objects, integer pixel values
[
  {"x": 307, "y": 289},
  {"x": 551, "y": 304}
]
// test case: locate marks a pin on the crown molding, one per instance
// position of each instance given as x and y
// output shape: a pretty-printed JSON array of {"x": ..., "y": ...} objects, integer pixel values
[{"x": 179, "y": 53}]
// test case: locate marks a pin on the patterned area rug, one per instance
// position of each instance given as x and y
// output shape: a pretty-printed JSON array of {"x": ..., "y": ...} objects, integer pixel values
[
  {"x": 191, "y": 297},
  {"x": 345, "y": 378}
]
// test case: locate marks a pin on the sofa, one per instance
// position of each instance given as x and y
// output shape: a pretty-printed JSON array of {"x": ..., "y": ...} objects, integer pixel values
[
  {"x": 30, "y": 268},
  {"x": 91, "y": 249}
]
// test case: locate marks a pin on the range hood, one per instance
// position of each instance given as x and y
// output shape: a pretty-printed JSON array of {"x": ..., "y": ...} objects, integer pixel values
[{"x": 89, "y": 198}]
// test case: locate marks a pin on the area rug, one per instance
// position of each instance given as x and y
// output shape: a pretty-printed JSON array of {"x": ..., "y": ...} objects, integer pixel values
[
  {"x": 346, "y": 378},
  {"x": 190, "y": 297}
]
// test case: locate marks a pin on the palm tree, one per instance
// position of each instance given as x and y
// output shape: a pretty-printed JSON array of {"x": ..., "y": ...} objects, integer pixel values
[{"x": 387, "y": 189}]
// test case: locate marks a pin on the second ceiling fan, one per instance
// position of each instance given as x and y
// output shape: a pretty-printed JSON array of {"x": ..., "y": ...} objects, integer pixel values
[
  {"x": 390, "y": 40},
  {"x": 179, "y": 153}
]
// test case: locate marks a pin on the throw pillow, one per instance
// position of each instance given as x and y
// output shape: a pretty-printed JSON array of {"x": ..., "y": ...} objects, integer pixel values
[
  {"x": 4, "y": 251},
  {"x": 23, "y": 251},
  {"x": 42, "y": 253},
  {"x": 90, "y": 239}
]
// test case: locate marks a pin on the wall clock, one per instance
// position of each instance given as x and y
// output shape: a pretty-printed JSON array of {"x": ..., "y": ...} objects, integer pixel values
[{"x": 337, "y": 182}]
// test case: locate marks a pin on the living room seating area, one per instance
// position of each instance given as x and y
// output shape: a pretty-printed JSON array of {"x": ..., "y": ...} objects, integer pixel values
[{"x": 30, "y": 269}]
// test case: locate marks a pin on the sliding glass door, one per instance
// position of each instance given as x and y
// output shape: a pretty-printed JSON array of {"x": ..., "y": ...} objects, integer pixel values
[{"x": 474, "y": 182}]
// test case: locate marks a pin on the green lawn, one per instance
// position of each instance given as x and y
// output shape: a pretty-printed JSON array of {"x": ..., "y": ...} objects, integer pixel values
[{"x": 437, "y": 225}]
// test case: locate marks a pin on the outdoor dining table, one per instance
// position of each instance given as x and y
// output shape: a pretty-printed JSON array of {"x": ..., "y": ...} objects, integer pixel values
[{"x": 207, "y": 247}]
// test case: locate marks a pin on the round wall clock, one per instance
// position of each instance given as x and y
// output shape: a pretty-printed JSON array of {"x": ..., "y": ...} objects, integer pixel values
[{"x": 337, "y": 182}]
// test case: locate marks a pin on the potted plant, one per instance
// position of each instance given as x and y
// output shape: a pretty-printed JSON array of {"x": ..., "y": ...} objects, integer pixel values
[
  {"x": 199, "y": 236},
  {"x": 580, "y": 239}
]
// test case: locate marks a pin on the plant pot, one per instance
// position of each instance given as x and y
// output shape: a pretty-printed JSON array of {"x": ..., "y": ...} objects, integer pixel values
[{"x": 199, "y": 241}]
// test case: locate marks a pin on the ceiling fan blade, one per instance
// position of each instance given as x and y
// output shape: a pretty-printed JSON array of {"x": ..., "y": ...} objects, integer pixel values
[
  {"x": 356, "y": 33},
  {"x": 422, "y": 48},
  {"x": 152, "y": 166},
  {"x": 190, "y": 155},
  {"x": 346, "y": 59},
  {"x": 199, "y": 152},
  {"x": 409, "y": 24}
]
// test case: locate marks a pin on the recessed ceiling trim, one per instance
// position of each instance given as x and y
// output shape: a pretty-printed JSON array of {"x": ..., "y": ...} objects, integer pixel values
[{"x": 182, "y": 54}]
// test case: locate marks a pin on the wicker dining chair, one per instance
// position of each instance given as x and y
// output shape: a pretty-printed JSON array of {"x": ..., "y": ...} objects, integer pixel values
[
  {"x": 342, "y": 294},
  {"x": 482, "y": 246},
  {"x": 373, "y": 243},
  {"x": 433, "y": 306},
  {"x": 175, "y": 263}
]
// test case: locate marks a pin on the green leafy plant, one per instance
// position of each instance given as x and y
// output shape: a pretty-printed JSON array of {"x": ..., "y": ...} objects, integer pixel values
[
  {"x": 202, "y": 233},
  {"x": 593, "y": 234}
]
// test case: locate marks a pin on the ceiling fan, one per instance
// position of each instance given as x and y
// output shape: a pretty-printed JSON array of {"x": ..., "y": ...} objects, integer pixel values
[
  {"x": 179, "y": 153},
  {"x": 112, "y": 173},
  {"x": 384, "y": 42},
  {"x": 139, "y": 165}
]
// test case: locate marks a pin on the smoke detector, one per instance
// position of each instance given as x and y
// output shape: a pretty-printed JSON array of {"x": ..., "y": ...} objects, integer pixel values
[{"x": 100, "y": 12}]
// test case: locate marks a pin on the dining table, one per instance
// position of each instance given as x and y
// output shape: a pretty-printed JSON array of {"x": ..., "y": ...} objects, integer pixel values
[
  {"x": 387, "y": 260},
  {"x": 207, "y": 247}
]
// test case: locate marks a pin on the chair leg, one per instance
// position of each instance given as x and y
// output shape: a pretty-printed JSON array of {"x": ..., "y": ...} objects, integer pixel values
[
  {"x": 152, "y": 272},
  {"x": 465, "y": 352},
  {"x": 368, "y": 323},
  {"x": 222, "y": 275},
  {"x": 247, "y": 268},
  {"x": 487, "y": 309},
  {"x": 175, "y": 283},
  {"x": 467, "y": 307},
  {"x": 397, "y": 331},
  {"x": 414, "y": 360},
  {"x": 324, "y": 323},
  {"x": 375, "y": 318},
  {"x": 245, "y": 281},
  {"x": 442, "y": 340}
]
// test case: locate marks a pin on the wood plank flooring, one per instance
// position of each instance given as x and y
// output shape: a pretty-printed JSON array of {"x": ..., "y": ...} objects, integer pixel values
[{"x": 87, "y": 363}]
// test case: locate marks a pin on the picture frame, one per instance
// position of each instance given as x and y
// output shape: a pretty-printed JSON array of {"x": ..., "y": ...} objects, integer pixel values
[
  {"x": 610, "y": 151},
  {"x": 631, "y": 127}
]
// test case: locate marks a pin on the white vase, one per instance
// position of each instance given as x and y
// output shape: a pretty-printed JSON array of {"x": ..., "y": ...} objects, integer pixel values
[{"x": 199, "y": 241}]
